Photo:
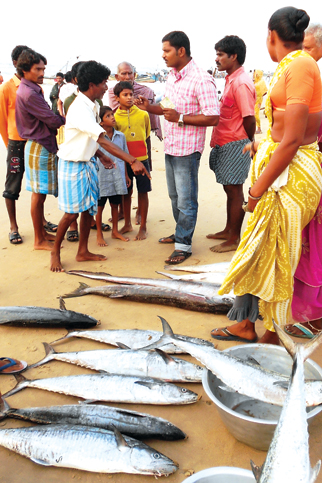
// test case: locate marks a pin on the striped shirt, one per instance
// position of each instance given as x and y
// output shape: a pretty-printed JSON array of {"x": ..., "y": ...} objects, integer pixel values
[{"x": 192, "y": 91}]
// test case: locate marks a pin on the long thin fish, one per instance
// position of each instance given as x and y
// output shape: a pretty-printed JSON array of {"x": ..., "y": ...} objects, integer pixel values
[
  {"x": 288, "y": 455},
  {"x": 132, "y": 423},
  {"x": 158, "y": 295},
  {"x": 133, "y": 338},
  {"x": 88, "y": 449},
  {"x": 45, "y": 317},
  {"x": 184, "y": 286},
  {"x": 155, "y": 363},
  {"x": 112, "y": 388},
  {"x": 242, "y": 376},
  {"x": 212, "y": 267},
  {"x": 214, "y": 278}
]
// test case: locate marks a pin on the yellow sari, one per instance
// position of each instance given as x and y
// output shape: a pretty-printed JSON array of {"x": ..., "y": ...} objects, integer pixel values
[{"x": 270, "y": 249}]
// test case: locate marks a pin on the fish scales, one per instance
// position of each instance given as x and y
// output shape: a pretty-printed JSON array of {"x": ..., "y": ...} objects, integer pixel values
[{"x": 88, "y": 449}]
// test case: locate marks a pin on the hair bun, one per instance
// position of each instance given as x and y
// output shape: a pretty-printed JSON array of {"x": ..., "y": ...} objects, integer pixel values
[{"x": 300, "y": 20}]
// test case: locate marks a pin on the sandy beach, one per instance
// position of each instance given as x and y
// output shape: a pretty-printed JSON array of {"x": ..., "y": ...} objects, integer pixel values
[{"x": 27, "y": 280}]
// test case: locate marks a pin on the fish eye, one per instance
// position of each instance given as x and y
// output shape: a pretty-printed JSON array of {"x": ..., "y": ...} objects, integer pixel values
[
  {"x": 156, "y": 456},
  {"x": 183, "y": 389}
]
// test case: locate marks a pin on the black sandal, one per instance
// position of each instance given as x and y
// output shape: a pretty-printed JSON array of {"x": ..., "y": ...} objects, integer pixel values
[
  {"x": 177, "y": 254},
  {"x": 72, "y": 236}
]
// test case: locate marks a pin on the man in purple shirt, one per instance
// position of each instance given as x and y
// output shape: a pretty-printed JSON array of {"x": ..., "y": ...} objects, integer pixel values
[{"x": 37, "y": 123}]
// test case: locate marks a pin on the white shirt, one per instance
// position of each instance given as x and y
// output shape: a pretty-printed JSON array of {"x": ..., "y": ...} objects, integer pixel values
[
  {"x": 82, "y": 130},
  {"x": 66, "y": 90}
]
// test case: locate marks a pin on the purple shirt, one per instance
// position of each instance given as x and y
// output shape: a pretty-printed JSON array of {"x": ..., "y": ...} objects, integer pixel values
[{"x": 34, "y": 118}]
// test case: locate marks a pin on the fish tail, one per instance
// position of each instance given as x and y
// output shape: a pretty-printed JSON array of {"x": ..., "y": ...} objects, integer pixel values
[
  {"x": 62, "y": 338},
  {"x": 22, "y": 382},
  {"x": 49, "y": 351},
  {"x": 4, "y": 408},
  {"x": 78, "y": 292},
  {"x": 292, "y": 348}
]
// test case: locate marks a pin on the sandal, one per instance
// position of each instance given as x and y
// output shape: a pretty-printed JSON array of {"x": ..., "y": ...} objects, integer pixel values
[
  {"x": 178, "y": 254},
  {"x": 15, "y": 238},
  {"x": 72, "y": 236},
  {"x": 306, "y": 332},
  {"x": 167, "y": 239},
  {"x": 105, "y": 227},
  {"x": 11, "y": 366},
  {"x": 51, "y": 227}
]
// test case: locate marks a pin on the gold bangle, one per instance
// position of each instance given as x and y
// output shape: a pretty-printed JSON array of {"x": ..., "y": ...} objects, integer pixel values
[{"x": 253, "y": 197}]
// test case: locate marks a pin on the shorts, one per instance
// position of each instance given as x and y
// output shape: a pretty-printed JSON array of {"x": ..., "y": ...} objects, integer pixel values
[
  {"x": 114, "y": 200},
  {"x": 229, "y": 164},
  {"x": 143, "y": 183},
  {"x": 15, "y": 169}
]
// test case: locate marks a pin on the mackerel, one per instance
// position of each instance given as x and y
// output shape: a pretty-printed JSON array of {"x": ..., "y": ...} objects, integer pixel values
[
  {"x": 288, "y": 455},
  {"x": 155, "y": 363},
  {"x": 111, "y": 388},
  {"x": 88, "y": 449},
  {"x": 132, "y": 423}
]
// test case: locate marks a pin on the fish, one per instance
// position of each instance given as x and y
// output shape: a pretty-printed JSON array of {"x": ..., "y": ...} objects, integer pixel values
[
  {"x": 288, "y": 455},
  {"x": 88, "y": 449},
  {"x": 221, "y": 267},
  {"x": 213, "y": 278},
  {"x": 111, "y": 388},
  {"x": 45, "y": 317},
  {"x": 244, "y": 376},
  {"x": 155, "y": 363},
  {"x": 157, "y": 295},
  {"x": 201, "y": 288},
  {"x": 132, "y": 423},
  {"x": 133, "y": 338}
]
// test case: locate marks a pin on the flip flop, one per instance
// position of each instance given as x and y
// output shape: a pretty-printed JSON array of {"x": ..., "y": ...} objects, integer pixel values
[
  {"x": 105, "y": 227},
  {"x": 11, "y": 364},
  {"x": 51, "y": 227},
  {"x": 232, "y": 337},
  {"x": 306, "y": 333},
  {"x": 72, "y": 236},
  {"x": 15, "y": 238},
  {"x": 176, "y": 254},
  {"x": 166, "y": 240}
]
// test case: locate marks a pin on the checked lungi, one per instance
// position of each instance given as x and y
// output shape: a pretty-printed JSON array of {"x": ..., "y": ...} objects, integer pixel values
[
  {"x": 78, "y": 186},
  {"x": 41, "y": 169},
  {"x": 229, "y": 163}
]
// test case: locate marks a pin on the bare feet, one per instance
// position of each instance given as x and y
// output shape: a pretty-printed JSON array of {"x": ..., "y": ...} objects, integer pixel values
[
  {"x": 49, "y": 236},
  {"x": 89, "y": 257},
  {"x": 269, "y": 338},
  {"x": 141, "y": 235},
  {"x": 100, "y": 241},
  {"x": 226, "y": 246},
  {"x": 126, "y": 229},
  {"x": 43, "y": 245},
  {"x": 55, "y": 263},
  {"x": 137, "y": 218},
  {"x": 120, "y": 217},
  {"x": 117, "y": 235},
  {"x": 221, "y": 235},
  {"x": 244, "y": 330}
]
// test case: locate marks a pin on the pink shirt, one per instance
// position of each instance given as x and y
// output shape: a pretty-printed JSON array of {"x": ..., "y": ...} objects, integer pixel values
[
  {"x": 237, "y": 102},
  {"x": 192, "y": 91}
]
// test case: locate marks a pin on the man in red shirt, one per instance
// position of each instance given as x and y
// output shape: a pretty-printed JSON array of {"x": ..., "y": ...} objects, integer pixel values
[{"x": 235, "y": 129}]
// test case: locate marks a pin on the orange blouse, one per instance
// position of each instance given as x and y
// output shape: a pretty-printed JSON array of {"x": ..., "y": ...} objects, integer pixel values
[{"x": 300, "y": 84}]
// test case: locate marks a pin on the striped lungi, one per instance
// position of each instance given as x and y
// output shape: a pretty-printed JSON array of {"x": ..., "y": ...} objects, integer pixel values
[
  {"x": 78, "y": 186},
  {"x": 229, "y": 163},
  {"x": 41, "y": 169}
]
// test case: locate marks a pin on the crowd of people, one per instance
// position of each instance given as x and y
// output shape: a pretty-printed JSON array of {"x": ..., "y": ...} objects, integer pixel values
[{"x": 87, "y": 153}]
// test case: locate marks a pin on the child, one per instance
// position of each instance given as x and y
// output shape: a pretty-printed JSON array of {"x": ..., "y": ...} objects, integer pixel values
[
  {"x": 135, "y": 124},
  {"x": 113, "y": 183}
]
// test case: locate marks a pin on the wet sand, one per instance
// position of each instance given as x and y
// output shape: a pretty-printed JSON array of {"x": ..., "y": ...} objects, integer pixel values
[{"x": 27, "y": 280}]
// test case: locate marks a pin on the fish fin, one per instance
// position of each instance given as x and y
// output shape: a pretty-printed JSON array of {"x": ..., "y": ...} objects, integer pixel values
[
  {"x": 121, "y": 443},
  {"x": 315, "y": 471},
  {"x": 257, "y": 470},
  {"x": 283, "y": 384},
  {"x": 167, "y": 337},
  {"x": 78, "y": 292},
  {"x": 286, "y": 340},
  {"x": 311, "y": 345},
  {"x": 150, "y": 385},
  {"x": 61, "y": 338},
  {"x": 4, "y": 407},
  {"x": 49, "y": 349},
  {"x": 252, "y": 360},
  {"x": 167, "y": 359},
  {"x": 21, "y": 383},
  {"x": 120, "y": 345},
  {"x": 40, "y": 462},
  {"x": 62, "y": 305}
]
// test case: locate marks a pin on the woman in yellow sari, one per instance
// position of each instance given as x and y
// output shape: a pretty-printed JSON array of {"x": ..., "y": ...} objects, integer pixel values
[
  {"x": 286, "y": 187},
  {"x": 261, "y": 90}
]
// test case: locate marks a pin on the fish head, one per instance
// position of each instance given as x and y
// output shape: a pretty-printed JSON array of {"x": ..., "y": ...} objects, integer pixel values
[{"x": 147, "y": 460}]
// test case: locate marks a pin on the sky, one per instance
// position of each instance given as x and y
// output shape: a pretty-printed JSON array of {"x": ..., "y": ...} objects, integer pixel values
[{"x": 110, "y": 31}]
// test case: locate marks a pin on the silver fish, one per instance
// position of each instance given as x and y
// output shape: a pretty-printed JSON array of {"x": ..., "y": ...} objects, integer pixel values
[
  {"x": 288, "y": 455},
  {"x": 87, "y": 449},
  {"x": 239, "y": 375},
  {"x": 112, "y": 388},
  {"x": 133, "y": 338},
  {"x": 155, "y": 363},
  {"x": 132, "y": 423},
  {"x": 221, "y": 267},
  {"x": 213, "y": 278},
  {"x": 158, "y": 295}
]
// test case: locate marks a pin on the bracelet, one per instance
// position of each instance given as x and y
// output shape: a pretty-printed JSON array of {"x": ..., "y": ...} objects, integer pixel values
[{"x": 253, "y": 197}]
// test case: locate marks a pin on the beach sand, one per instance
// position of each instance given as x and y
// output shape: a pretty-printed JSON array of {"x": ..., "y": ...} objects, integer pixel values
[{"x": 27, "y": 280}]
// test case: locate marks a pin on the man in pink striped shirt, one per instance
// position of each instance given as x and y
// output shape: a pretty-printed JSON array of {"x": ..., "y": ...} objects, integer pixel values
[{"x": 194, "y": 106}]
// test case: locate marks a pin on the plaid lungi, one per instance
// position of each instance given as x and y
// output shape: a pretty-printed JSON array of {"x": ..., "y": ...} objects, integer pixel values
[
  {"x": 229, "y": 163},
  {"x": 41, "y": 169},
  {"x": 78, "y": 186}
]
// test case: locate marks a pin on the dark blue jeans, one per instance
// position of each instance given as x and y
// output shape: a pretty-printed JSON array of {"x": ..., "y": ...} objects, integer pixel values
[{"x": 182, "y": 180}]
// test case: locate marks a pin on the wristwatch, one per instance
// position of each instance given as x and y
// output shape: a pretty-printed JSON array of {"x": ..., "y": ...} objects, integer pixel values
[{"x": 180, "y": 122}]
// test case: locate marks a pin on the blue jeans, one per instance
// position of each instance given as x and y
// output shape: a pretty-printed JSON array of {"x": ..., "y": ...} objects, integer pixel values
[{"x": 182, "y": 180}]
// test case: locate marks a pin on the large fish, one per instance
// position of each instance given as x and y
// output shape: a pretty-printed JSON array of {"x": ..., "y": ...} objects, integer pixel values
[
  {"x": 88, "y": 449},
  {"x": 45, "y": 317},
  {"x": 134, "y": 424},
  {"x": 158, "y": 295},
  {"x": 133, "y": 338},
  {"x": 201, "y": 288},
  {"x": 112, "y": 388},
  {"x": 221, "y": 267},
  {"x": 288, "y": 455},
  {"x": 243, "y": 376},
  {"x": 155, "y": 363}
]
